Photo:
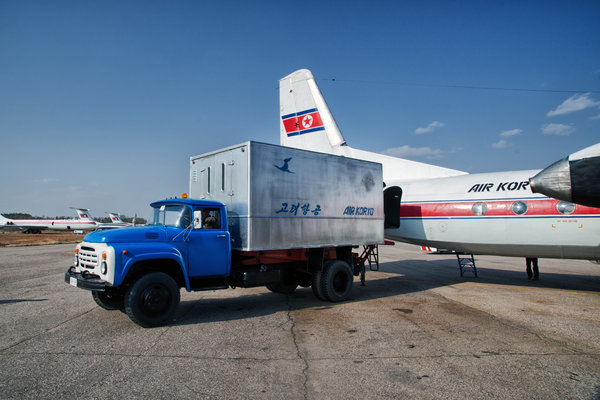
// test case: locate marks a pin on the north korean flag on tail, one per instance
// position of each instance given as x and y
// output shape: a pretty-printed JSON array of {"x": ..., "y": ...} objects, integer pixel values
[{"x": 302, "y": 122}]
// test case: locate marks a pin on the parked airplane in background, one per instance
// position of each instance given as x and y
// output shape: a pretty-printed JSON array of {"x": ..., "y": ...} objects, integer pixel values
[
  {"x": 115, "y": 218},
  {"x": 489, "y": 213},
  {"x": 83, "y": 222},
  {"x": 115, "y": 222}
]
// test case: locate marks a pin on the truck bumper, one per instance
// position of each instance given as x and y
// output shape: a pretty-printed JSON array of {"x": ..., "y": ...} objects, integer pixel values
[{"x": 85, "y": 280}]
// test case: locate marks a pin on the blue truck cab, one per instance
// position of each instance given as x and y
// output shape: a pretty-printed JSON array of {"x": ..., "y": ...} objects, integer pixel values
[{"x": 141, "y": 269}]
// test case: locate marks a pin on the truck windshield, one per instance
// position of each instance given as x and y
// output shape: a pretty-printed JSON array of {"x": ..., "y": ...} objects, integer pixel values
[{"x": 178, "y": 216}]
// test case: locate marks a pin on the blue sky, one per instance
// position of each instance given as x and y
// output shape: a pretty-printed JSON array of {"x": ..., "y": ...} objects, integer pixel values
[{"x": 103, "y": 102}]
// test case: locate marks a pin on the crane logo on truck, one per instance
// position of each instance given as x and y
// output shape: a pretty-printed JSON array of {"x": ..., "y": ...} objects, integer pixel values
[{"x": 285, "y": 167}]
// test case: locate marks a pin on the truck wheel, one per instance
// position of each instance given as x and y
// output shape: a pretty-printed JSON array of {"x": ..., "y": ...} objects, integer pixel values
[
  {"x": 152, "y": 300},
  {"x": 283, "y": 288},
  {"x": 108, "y": 300},
  {"x": 316, "y": 285},
  {"x": 336, "y": 280}
]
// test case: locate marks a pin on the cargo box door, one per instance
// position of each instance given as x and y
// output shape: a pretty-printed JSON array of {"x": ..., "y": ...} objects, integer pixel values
[{"x": 213, "y": 177}]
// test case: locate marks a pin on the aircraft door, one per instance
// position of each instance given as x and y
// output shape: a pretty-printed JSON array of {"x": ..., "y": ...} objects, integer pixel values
[{"x": 391, "y": 206}]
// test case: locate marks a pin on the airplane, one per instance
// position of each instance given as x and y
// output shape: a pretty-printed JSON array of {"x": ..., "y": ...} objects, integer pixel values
[
  {"x": 115, "y": 218},
  {"x": 115, "y": 222},
  {"x": 83, "y": 222},
  {"x": 427, "y": 205}
]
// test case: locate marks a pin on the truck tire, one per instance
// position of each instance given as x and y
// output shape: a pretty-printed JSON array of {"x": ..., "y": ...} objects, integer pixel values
[
  {"x": 336, "y": 280},
  {"x": 283, "y": 288},
  {"x": 109, "y": 301},
  {"x": 152, "y": 300},
  {"x": 316, "y": 285}
]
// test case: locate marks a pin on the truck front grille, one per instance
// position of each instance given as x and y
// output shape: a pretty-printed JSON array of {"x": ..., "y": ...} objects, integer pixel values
[{"x": 88, "y": 258}]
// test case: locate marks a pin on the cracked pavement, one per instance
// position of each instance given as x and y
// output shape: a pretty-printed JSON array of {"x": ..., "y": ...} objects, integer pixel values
[{"x": 417, "y": 329}]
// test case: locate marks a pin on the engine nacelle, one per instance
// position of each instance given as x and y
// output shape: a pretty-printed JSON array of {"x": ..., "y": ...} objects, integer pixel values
[{"x": 575, "y": 178}]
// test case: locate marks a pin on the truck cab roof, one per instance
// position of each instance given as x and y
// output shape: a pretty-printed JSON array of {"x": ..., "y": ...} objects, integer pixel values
[{"x": 188, "y": 202}]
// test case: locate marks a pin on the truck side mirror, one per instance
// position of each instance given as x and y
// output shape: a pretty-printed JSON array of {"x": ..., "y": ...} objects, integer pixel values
[{"x": 198, "y": 219}]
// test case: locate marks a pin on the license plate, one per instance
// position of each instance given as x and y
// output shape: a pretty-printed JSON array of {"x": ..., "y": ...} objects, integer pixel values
[{"x": 73, "y": 281}]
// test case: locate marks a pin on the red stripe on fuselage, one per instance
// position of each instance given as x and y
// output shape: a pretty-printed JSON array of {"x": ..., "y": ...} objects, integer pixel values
[
  {"x": 50, "y": 222},
  {"x": 502, "y": 208}
]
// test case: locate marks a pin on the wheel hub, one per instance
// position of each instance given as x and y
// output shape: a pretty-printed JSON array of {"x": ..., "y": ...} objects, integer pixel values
[{"x": 155, "y": 299}]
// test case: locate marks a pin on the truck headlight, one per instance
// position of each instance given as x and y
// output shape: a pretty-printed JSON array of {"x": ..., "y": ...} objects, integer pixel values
[
  {"x": 103, "y": 266},
  {"x": 76, "y": 258}
]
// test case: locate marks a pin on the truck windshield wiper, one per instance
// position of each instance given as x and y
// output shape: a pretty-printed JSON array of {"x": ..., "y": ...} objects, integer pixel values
[{"x": 187, "y": 229}]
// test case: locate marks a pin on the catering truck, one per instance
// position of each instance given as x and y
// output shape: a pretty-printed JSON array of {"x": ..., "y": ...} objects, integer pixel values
[{"x": 256, "y": 215}]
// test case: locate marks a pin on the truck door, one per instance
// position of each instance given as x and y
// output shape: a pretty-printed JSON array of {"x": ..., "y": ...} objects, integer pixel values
[{"x": 209, "y": 252}]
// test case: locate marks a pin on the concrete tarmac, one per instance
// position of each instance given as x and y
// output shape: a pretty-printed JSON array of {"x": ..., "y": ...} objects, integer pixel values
[{"x": 416, "y": 330}]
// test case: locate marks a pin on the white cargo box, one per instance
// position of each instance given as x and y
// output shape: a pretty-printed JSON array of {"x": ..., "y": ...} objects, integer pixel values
[{"x": 280, "y": 197}]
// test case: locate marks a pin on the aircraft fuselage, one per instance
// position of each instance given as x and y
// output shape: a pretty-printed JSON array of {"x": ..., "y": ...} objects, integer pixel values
[{"x": 494, "y": 213}]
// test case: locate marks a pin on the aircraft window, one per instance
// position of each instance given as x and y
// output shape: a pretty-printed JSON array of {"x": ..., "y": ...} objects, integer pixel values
[
  {"x": 564, "y": 207},
  {"x": 479, "y": 209},
  {"x": 519, "y": 207}
]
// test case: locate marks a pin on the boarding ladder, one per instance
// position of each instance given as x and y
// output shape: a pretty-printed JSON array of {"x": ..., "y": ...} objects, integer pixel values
[
  {"x": 369, "y": 255},
  {"x": 466, "y": 263}
]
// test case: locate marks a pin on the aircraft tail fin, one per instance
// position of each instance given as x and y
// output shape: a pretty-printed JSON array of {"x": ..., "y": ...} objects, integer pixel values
[
  {"x": 306, "y": 123},
  {"x": 83, "y": 214},
  {"x": 115, "y": 218},
  {"x": 305, "y": 120}
]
